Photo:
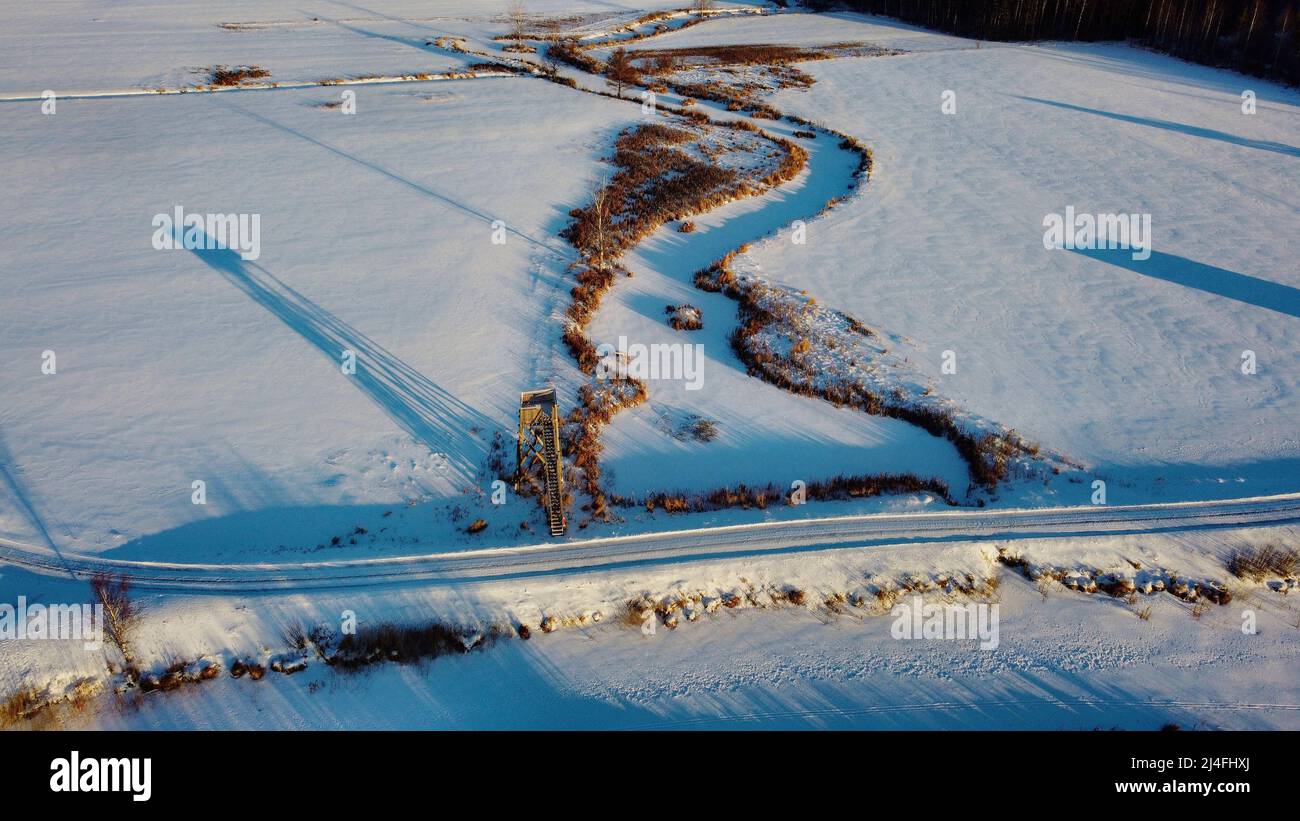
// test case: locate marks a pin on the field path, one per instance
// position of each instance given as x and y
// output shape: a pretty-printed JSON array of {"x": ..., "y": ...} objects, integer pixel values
[{"x": 674, "y": 547}]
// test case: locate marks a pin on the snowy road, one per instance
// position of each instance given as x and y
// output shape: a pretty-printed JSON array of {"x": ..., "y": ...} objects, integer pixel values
[{"x": 766, "y": 538}]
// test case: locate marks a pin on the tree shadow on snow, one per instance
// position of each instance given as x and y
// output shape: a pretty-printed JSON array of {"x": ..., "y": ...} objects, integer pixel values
[
  {"x": 1182, "y": 128},
  {"x": 418, "y": 405},
  {"x": 421, "y": 188},
  {"x": 1209, "y": 278}
]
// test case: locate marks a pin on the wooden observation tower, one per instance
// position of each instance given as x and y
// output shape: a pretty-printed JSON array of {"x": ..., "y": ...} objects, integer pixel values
[{"x": 539, "y": 440}]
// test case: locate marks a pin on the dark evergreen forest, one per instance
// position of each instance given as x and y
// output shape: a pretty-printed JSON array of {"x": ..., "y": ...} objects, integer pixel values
[{"x": 1253, "y": 36}]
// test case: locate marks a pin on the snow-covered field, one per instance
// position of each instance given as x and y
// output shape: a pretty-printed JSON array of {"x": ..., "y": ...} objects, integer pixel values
[
  {"x": 422, "y": 234},
  {"x": 1131, "y": 367},
  {"x": 91, "y": 45},
  {"x": 175, "y": 366}
]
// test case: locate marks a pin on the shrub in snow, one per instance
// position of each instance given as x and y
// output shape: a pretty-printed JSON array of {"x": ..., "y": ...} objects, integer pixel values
[
  {"x": 22, "y": 706},
  {"x": 470, "y": 640},
  {"x": 1256, "y": 563},
  {"x": 636, "y": 611},
  {"x": 45, "y": 709},
  {"x": 684, "y": 317},
  {"x": 1115, "y": 585},
  {"x": 179, "y": 673},
  {"x": 235, "y": 75},
  {"x": 289, "y": 664},
  {"x": 239, "y": 668}
]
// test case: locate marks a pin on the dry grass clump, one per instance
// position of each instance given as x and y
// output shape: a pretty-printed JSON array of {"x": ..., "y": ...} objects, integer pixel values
[
  {"x": 767, "y": 54},
  {"x": 1258, "y": 563},
  {"x": 736, "y": 96},
  {"x": 40, "y": 709},
  {"x": 240, "y": 667},
  {"x": 475, "y": 68},
  {"x": 836, "y": 488},
  {"x": 177, "y": 674},
  {"x": 561, "y": 80},
  {"x": 594, "y": 281},
  {"x": 1116, "y": 583},
  {"x": 987, "y": 455},
  {"x": 235, "y": 75},
  {"x": 636, "y": 612},
  {"x": 653, "y": 29},
  {"x": 703, "y": 430},
  {"x": 656, "y": 182},
  {"x": 289, "y": 664},
  {"x": 684, "y": 317},
  {"x": 597, "y": 405},
  {"x": 865, "y": 158},
  {"x": 738, "y": 74},
  {"x": 570, "y": 53},
  {"x": 22, "y": 706},
  {"x": 537, "y": 27},
  {"x": 407, "y": 643}
]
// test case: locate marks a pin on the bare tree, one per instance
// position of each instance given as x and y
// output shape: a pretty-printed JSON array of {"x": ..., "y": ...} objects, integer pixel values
[
  {"x": 701, "y": 7},
  {"x": 518, "y": 17},
  {"x": 620, "y": 71},
  {"x": 600, "y": 220},
  {"x": 120, "y": 613}
]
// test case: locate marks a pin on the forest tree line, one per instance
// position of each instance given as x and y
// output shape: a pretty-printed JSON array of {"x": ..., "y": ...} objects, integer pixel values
[{"x": 1253, "y": 36}]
